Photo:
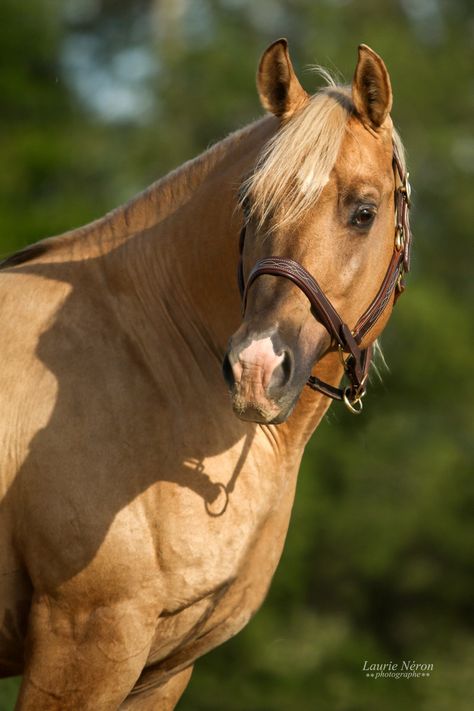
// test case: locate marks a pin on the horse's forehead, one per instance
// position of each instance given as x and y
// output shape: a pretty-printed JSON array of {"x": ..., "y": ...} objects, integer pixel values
[{"x": 365, "y": 153}]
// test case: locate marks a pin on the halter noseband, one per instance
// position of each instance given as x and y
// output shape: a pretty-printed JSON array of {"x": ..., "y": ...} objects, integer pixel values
[{"x": 357, "y": 363}]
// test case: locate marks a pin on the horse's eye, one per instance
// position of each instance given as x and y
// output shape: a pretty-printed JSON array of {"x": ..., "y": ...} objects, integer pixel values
[{"x": 364, "y": 216}]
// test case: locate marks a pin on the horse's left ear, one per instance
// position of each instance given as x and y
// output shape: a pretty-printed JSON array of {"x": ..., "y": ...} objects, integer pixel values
[
  {"x": 278, "y": 86},
  {"x": 371, "y": 88}
]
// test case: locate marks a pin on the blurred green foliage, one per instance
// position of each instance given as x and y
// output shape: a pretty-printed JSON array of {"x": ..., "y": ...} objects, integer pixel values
[{"x": 101, "y": 97}]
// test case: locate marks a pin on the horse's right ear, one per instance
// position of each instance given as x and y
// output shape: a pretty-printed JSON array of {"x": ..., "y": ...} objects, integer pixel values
[
  {"x": 371, "y": 89},
  {"x": 278, "y": 86}
]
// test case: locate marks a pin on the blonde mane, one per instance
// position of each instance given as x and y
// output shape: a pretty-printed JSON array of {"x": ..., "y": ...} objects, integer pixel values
[{"x": 294, "y": 166}]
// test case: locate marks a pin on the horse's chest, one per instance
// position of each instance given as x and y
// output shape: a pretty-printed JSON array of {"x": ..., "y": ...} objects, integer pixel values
[
  {"x": 218, "y": 565},
  {"x": 207, "y": 529}
]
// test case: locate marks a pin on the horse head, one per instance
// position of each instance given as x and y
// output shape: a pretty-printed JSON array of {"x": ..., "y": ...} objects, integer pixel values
[{"x": 320, "y": 206}]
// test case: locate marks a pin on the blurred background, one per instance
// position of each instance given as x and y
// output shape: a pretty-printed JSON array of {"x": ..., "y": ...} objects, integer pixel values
[{"x": 99, "y": 98}]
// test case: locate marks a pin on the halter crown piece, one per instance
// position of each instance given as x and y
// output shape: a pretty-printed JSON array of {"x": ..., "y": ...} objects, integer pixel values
[{"x": 357, "y": 363}]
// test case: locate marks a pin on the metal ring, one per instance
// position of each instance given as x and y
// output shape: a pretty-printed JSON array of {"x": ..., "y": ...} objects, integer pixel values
[{"x": 355, "y": 406}]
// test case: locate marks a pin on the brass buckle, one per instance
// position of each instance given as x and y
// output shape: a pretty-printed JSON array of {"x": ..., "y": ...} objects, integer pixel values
[
  {"x": 399, "y": 239},
  {"x": 406, "y": 189},
  {"x": 356, "y": 405}
]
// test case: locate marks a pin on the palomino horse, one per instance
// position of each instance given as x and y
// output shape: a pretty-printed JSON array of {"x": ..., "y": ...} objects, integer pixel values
[{"x": 141, "y": 519}]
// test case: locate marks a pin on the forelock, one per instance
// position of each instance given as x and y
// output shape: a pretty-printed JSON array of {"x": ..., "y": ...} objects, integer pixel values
[{"x": 295, "y": 164}]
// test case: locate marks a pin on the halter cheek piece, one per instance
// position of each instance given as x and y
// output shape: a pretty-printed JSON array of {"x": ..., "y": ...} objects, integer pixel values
[{"x": 357, "y": 363}]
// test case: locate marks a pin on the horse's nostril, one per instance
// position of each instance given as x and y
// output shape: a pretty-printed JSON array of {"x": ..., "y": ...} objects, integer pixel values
[
  {"x": 283, "y": 372},
  {"x": 228, "y": 372}
]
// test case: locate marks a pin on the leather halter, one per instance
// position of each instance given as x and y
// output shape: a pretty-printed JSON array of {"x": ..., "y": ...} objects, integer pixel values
[{"x": 357, "y": 363}]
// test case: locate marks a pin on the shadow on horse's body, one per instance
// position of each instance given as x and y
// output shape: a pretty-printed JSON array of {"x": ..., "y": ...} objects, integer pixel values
[{"x": 141, "y": 520}]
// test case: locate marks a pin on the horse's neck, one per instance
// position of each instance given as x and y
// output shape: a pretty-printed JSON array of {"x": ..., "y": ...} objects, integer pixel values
[{"x": 202, "y": 237}]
